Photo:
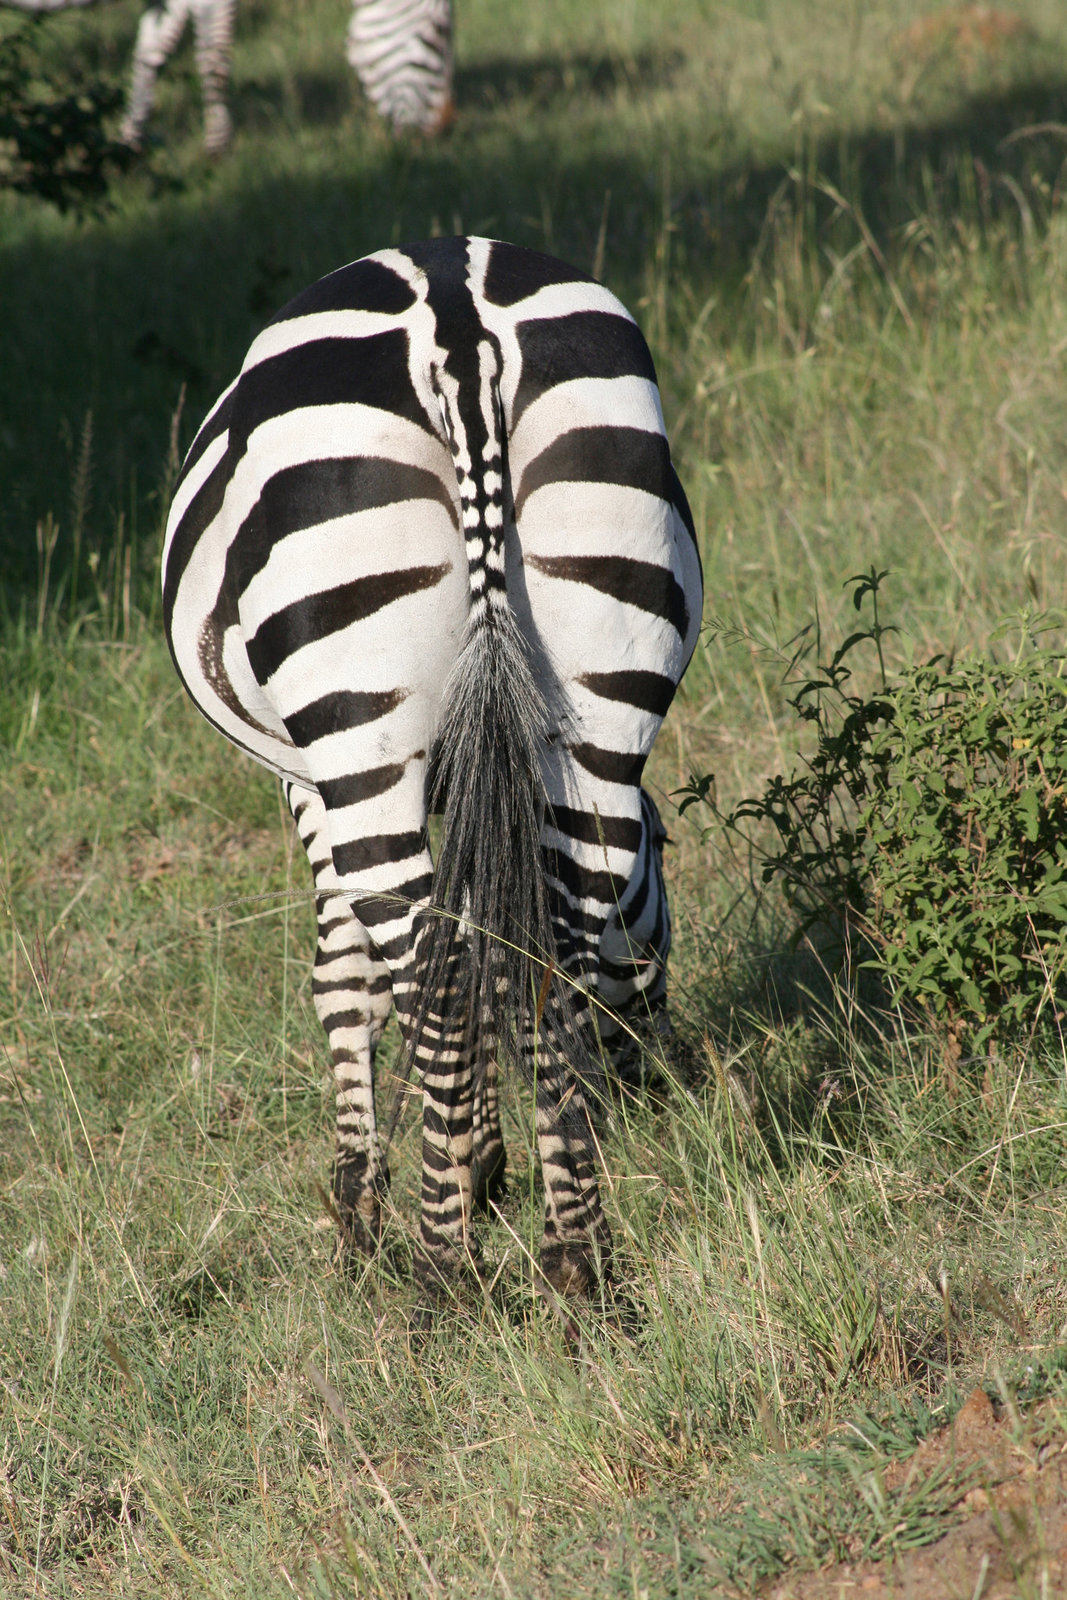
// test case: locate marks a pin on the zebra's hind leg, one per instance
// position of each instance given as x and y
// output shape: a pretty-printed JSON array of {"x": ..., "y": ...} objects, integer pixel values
[
  {"x": 353, "y": 1000},
  {"x": 448, "y": 1255},
  {"x": 489, "y": 1160},
  {"x": 158, "y": 33},
  {"x": 213, "y": 26},
  {"x": 353, "y": 997},
  {"x": 576, "y": 1243}
]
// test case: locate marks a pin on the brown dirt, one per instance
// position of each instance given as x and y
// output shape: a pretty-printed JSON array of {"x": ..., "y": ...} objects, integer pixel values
[
  {"x": 967, "y": 31},
  {"x": 1012, "y": 1540}
]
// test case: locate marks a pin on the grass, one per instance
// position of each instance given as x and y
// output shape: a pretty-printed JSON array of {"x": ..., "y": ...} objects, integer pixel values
[{"x": 844, "y": 239}]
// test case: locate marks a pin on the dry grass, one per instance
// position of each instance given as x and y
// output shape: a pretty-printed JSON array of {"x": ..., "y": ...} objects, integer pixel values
[{"x": 851, "y": 273}]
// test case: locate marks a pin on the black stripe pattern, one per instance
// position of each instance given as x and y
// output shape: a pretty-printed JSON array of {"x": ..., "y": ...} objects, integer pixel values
[
  {"x": 429, "y": 552},
  {"x": 400, "y": 50}
]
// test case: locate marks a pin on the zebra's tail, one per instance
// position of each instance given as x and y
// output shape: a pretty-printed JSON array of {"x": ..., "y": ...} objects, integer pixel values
[{"x": 489, "y": 940}]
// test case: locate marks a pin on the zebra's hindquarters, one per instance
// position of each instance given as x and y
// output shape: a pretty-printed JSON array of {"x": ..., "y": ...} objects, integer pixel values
[
  {"x": 432, "y": 539},
  {"x": 610, "y": 577}
]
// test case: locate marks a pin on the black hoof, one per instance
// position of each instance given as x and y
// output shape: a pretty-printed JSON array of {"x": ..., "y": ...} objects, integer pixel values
[
  {"x": 361, "y": 1239},
  {"x": 568, "y": 1268},
  {"x": 357, "y": 1210},
  {"x": 489, "y": 1184}
]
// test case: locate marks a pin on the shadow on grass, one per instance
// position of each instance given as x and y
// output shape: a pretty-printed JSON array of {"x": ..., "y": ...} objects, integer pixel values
[
  {"x": 541, "y": 82},
  {"x": 799, "y": 1031},
  {"x": 129, "y": 320},
  {"x": 322, "y": 99}
]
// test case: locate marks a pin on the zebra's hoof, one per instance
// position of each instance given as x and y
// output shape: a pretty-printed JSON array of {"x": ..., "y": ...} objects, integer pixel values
[
  {"x": 489, "y": 1184},
  {"x": 449, "y": 1281},
  {"x": 358, "y": 1209},
  {"x": 622, "y": 1316},
  {"x": 568, "y": 1268},
  {"x": 615, "y": 1320},
  {"x": 445, "y": 1271},
  {"x": 429, "y": 1314},
  {"x": 361, "y": 1235},
  {"x": 593, "y": 1313}
]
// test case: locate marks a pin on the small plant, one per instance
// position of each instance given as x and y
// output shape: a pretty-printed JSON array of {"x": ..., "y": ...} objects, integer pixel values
[
  {"x": 53, "y": 137},
  {"x": 932, "y": 819},
  {"x": 967, "y": 840},
  {"x": 820, "y": 857}
]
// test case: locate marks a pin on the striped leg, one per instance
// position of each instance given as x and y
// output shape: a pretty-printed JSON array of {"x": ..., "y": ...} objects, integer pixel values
[
  {"x": 634, "y": 947},
  {"x": 447, "y": 1248},
  {"x": 213, "y": 25},
  {"x": 353, "y": 998},
  {"x": 489, "y": 1160},
  {"x": 361, "y": 957},
  {"x": 576, "y": 1243},
  {"x": 158, "y": 34}
]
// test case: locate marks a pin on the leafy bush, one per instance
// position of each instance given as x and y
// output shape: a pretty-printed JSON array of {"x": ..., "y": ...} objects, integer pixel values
[
  {"x": 53, "y": 137},
  {"x": 932, "y": 817},
  {"x": 968, "y": 838}
]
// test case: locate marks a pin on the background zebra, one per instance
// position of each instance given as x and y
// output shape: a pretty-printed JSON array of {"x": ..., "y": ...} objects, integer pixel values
[
  {"x": 429, "y": 552},
  {"x": 401, "y": 51}
]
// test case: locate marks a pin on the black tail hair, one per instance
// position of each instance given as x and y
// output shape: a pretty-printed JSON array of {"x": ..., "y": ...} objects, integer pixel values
[
  {"x": 490, "y": 928},
  {"x": 488, "y": 938}
]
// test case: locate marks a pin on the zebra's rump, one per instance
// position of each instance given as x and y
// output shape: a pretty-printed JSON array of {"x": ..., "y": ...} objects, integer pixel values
[{"x": 321, "y": 500}]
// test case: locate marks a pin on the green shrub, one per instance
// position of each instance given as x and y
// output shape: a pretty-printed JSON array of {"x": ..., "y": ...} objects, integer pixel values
[
  {"x": 968, "y": 839},
  {"x": 54, "y": 141},
  {"x": 932, "y": 819}
]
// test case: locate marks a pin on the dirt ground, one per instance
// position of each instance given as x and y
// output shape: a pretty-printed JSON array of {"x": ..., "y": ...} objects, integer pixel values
[{"x": 1012, "y": 1541}]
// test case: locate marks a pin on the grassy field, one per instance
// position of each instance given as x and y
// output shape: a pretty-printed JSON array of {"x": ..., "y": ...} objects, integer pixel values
[{"x": 841, "y": 228}]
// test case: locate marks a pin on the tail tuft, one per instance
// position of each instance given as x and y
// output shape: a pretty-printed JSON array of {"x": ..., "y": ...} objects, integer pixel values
[{"x": 490, "y": 927}]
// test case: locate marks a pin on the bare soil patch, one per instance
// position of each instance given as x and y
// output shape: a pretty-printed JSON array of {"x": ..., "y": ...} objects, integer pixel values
[{"x": 1012, "y": 1536}]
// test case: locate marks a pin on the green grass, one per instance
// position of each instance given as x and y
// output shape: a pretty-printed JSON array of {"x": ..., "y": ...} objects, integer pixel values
[{"x": 849, "y": 257}]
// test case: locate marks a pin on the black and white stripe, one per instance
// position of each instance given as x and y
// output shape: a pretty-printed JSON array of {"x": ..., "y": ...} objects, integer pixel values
[
  {"x": 401, "y": 51},
  {"x": 429, "y": 552}
]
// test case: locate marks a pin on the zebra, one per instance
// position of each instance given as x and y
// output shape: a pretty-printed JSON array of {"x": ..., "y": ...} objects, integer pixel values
[
  {"x": 401, "y": 51},
  {"x": 429, "y": 554}
]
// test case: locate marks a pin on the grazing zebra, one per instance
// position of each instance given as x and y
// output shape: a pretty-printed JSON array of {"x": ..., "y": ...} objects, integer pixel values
[
  {"x": 401, "y": 51},
  {"x": 429, "y": 553}
]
